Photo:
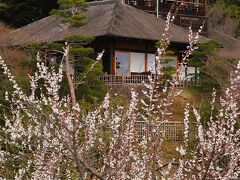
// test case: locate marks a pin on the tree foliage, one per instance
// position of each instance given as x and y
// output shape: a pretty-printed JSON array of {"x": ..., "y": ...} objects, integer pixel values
[
  {"x": 200, "y": 56},
  {"x": 18, "y": 13},
  {"x": 72, "y": 11},
  {"x": 225, "y": 14}
]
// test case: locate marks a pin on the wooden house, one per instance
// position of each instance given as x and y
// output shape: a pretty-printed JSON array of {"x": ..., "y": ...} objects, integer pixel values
[
  {"x": 188, "y": 12},
  {"x": 127, "y": 34}
]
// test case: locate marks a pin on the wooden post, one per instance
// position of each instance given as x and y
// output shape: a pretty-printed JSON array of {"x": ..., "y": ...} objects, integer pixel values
[
  {"x": 196, "y": 76},
  {"x": 146, "y": 56},
  {"x": 112, "y": 57}
]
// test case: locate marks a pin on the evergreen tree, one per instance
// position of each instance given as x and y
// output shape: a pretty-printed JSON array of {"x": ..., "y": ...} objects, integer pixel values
[
  {"x": 72, "y": 11},
  {"x": 87, "y": 85},
  {"x": 19, "y": 13}
]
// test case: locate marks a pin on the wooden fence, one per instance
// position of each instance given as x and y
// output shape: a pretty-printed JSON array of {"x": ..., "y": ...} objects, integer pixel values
[
  {"x": 172, "y": 131},
  {"x": 124, "y": 79},
  {"x": 138, "y": 79},
  {"x": 188, "y": 83}
]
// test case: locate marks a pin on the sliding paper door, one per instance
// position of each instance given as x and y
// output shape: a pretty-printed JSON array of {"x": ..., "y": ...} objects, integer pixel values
[{"x": 137, "y": 62}]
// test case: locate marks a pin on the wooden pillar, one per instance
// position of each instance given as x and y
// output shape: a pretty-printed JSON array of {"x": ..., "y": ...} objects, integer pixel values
[
  {"x": 146, "y": 55},
  {"x": 179, "y": 59},
  {"x": 112, "y": 56}
]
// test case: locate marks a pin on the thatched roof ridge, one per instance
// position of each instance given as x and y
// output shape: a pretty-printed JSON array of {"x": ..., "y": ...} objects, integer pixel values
[{"x": 105, "y": 18}]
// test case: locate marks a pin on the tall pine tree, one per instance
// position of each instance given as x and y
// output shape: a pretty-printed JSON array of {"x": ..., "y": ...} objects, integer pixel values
[{"x": 87, "y": 85}]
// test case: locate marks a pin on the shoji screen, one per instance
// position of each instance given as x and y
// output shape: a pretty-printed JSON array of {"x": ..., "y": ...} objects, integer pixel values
[{"x": 137, "y": 62}]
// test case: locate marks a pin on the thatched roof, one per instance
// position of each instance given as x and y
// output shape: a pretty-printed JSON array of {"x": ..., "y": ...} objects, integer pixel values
[{"x": 105, "y": 18}]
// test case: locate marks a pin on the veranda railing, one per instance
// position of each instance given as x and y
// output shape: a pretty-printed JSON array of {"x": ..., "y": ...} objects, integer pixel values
[{"x": 142, "y": 78}]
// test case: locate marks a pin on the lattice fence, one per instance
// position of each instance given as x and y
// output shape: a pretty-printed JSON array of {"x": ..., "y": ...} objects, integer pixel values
[
  {"x": 172, "y": 131},
  {"x": 139, "y": 79}
]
